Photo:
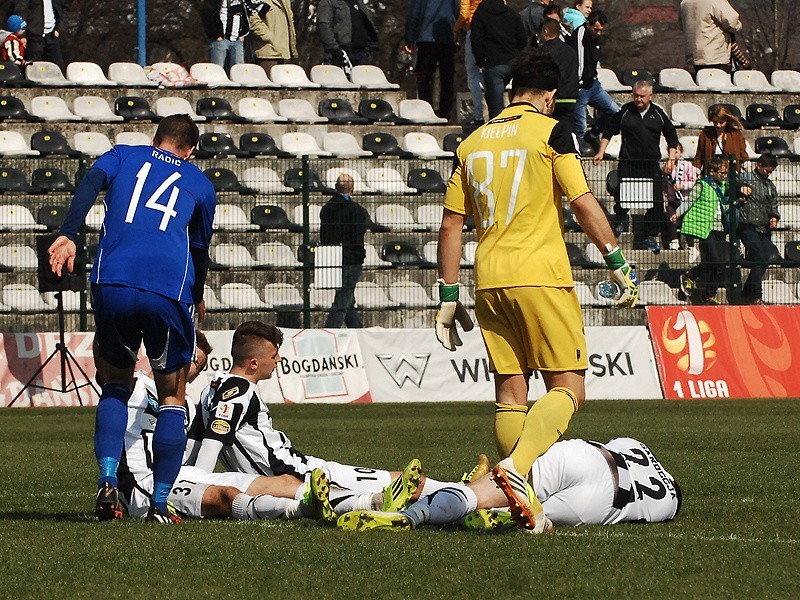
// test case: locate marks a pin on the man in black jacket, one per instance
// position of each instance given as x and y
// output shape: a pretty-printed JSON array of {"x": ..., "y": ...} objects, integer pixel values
[
  {"x": 344, "y": 222},
  {"x": 45, "y": 24},
  {"x": 347, "y": 31},
  {"x": 567, "y": 60},
  {"x": 497, "y": 37}
]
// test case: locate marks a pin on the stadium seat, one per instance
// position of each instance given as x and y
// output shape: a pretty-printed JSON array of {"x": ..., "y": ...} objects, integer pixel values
[
  {"x": 342, "y": 145},
  {"x": 283, "y": 295},
  {"x": 786, "y": 181},
  {"x": 338, "y": 110},
  {"x": 763, "y": 115},
  {"x": 95, "y": 108},
  {"x": 614, "y": 147},
  {"x": 388, "y": 181},
  {"x": 46, "y": 74},
  {"x": 10, "y": 74},
  {"x": 410, "y": 294},
  {"x": 94, "y": 218},
  {"x": 689, "y": 114},
  {"x": 332, "y": 77},
  {"x": 133, "y": 138},
  {"x": 631, "y": 76},
  {"x": 170, "y": 74},
  {"x": 314, "y": 220},
  {"x": 788, "y": 81},
  {"x": 212, "y": 302},
  {"x": 775, "y": 291},
  {"x": 297, "y": 178},
  {"x": 14, "y": 217},
  {"x": 608, "y": 79},
  {"x": 679, "y": 80},
  {"x": 371, "y": 77},
  {"x": 419, "y": 111},
  {"x": 593, "y": 255},
  {"x": 776, "y": 146},
  {"x": 790, "y": 216},
  {"x": 452, "y": 141},
  {"x": 291, "y": 76},
  {"x": 468, "y": 253},
  {"x": 402, "y": 254},
  {"x": 259, "y": 110},
  {"x": 49, "y": 143},
  {"x": 216, "y": 144},
  {"x": 225, "y": 180},
  {"x": 689, "y": 143},
  {"x": 173, "y": 105},
  {"x": 584, "y": 292},
  {"x": 360, "y": 185},
  {"x": 12, "y": 109},
  {"x": 373, "y": 259},
  {"x": 429, "y": 216},
  {"x": 791, "y": 115},
  {"x": 264, "y": 181},
  {"x": 753, "y": 81},
  {"x": 298, "y": 143},
  {"x": 251, "y": 75},
  {"x": 51, "y": 179},
  {"x": 71, "y": 301},
  {"x": 383, "y": 144},
  {"x": 217, "y": 109},
  {"x": 276, "y": 255},
  {"x": 23, "y": 297},
  {"x": 260, "y": 144},
  {"x": 211, "y": 74},
  {"x": 91, "y": 143},
  {"x": 396, "y": 217},
  {"x": 424, "y": 145},
  {"x": 430, "y": 254},
  {"x": 371, "y": 295},
  {"x": 378, "y": 110},
  {"x": 134, "y": 108},
  {"x": 13, "y": 181},
  {"x": 229, "y": 217},
  {"x": 13, "y": 144},
  {"x": 88, "y": 74},
  {"x": 52, "y": 108},
  {"x": 426, "y": 181},
  {"x": 232, "y": 256},
  {"x": 271, "y": 217},
  {"x": 298, "y": 110},
  {"x": 129, "y": 74},
  {"x": 716, "y": 80},
  {"x": 321, "y": 298},
  {"x": 656, "y": 293},
  {"x": 241, "y": 296},
  {"x": 796, "y": 145}
]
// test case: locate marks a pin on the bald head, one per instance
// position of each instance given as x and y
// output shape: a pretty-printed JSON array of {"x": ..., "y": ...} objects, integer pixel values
[{"x": 345, "y": 184}]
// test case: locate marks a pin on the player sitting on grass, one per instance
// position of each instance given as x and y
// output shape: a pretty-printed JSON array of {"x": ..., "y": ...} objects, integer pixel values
[
  {"x": 236, "y": 427},
  {"x": 200, "y": 494},
  {"x": 577, "y": 482}
]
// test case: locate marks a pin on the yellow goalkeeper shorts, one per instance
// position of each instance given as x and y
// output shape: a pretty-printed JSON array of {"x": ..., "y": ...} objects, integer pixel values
[{"x": 531, "y": 328}]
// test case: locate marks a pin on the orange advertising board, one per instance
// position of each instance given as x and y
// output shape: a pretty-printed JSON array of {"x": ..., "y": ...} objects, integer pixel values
[{"x": 727, "y": 351}]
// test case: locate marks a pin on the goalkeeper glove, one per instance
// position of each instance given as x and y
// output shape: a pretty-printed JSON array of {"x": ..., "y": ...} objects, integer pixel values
[
  {"x": 622, "y": 274},
  {"x": 450, "y": 310}
]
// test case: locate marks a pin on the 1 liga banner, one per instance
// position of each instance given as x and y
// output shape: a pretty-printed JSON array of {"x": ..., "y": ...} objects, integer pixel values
[{"x": 727, "y": 352}]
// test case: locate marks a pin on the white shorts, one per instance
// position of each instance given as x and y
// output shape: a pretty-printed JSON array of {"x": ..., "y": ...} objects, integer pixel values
[
  {"x": 187, "y": 493},
  {"x": 361, "y": 480}
]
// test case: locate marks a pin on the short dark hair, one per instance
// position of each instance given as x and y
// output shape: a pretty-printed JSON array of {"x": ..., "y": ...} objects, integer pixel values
[
  {"x": 767, "y": 160},
  {"x": 597, "y": 16},
  {"x": 202, "y": 342},
  {"x": 715, "y": 163},
  {"x": 551, "y": 9},
  {"x": 180, "y": 130},
  {"x": 247, "y": 337},
  {"x": 551, "y": 28},
  {"x": 532, "y": 63}
]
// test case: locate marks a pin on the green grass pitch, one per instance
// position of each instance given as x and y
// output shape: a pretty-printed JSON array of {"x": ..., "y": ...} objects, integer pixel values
[{"x": 736, "y": 537}]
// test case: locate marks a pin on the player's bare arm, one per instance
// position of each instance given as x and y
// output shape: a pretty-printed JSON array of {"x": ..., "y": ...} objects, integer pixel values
[{"x": 449, "y": 248}]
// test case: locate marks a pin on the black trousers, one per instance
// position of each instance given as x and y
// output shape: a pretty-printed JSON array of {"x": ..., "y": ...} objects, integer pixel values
[
  {"x": 430, "y": 56},
  {"x": 45, "y": 47},
  {"x": 709, "y": 273},
  {"x": 760, "y": 250}
]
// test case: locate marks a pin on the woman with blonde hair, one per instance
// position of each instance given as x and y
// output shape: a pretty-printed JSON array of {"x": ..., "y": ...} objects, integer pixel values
[{"x": 723, "y": 138}]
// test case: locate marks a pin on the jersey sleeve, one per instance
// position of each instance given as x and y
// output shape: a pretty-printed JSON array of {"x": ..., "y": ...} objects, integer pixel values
[
  {"x": 456, "y": 197},
  {"x": 201, "y": 225},
  {"x": 110, "y": 163},
  {"x": 566, "y": 164},
  {"x": 227, "y": 411}
]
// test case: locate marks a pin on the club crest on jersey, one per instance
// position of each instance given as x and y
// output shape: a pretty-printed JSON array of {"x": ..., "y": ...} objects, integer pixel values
[
  {"x": 224, "y": 411},
  {"x": 230, "y": 393},
  {"x": 220, "y": 427}
]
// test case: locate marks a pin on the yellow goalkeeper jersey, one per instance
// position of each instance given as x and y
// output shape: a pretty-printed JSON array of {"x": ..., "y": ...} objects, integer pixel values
[{"x": 511, "y": 175}]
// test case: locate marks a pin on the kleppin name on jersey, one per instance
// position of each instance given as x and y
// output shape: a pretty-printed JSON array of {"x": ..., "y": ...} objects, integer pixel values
[
  {"x": 166, "y": 158},
  {"x": 499, "y": 131}
]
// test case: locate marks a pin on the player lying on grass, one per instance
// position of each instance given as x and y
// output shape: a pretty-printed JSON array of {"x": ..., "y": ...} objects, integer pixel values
[
  {"x": 200, "y": 494},
  {"x": 578, "y": 483},
  {"x": 235, "y": 426}
]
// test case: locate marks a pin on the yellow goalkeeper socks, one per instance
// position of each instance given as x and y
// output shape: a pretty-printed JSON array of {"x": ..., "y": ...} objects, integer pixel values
[
  {"x": 546, "y": 422},
  {"x": 508, "y": 422}
]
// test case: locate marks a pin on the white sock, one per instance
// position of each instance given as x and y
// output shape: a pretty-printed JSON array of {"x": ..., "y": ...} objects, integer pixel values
[
  {"x": 432, "y": 485},
  {"x": 356, "y": 502},
  {"x": 253, "y": 508},
  {"x": 446, "y": 505}
]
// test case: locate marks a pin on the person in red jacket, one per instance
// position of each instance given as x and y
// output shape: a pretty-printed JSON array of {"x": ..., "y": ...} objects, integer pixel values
[{"x": 13, "y": 44}]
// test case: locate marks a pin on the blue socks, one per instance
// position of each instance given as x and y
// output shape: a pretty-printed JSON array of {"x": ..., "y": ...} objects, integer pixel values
[
  {"x": 169, "y": 442},
  {"x": 109, "y": 430}
]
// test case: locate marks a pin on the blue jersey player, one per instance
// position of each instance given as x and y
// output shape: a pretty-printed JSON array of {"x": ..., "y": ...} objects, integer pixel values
[{"x": 147, "y": 283}]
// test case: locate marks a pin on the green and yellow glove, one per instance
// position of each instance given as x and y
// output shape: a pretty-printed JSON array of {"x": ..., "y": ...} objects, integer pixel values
[
  {"x": 450, "y": 310},
  {"x": 622, "y": 274}
]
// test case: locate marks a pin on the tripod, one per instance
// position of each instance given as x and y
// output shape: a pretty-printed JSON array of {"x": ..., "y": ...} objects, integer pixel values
[{"x": 68, "y": 361}]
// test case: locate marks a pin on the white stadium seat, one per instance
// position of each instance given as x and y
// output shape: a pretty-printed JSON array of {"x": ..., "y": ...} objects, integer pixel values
[
  {"x": 388, "y": 181},
  {"x": 584, "y": 292},
  {"x": 430, "y": 252},
  {"x": 299, "y": 110},
  {"x": 716, "y": 80},
  {"x": 343, "y": 145},
  {"x": 23, "y": 297},
  {"x": 276, "y": 254},
  {"x": 242, "y": 296},
  {"x": 753, "y": 81},
  {"x": 301, "y": 144},
  {"x": 173, "y": 105},
  {"x": 786, "y": 181},
  {"x": 313, "y": 216},
  {"x": 212, "y": 302},
  {"x": 788, "y": 81},
  {"x": 46, "y": 73},
  {"x": 251, "y": 75},
  {"x": 259, "y": 110},
  {"x": 418, "y": 111},
  {"x": 468, "y": 253},
  {"x": 409, "y": 294},
  {"x": 14, "y": 217},
  {"x": 18, "y": 256},
  {"x": 790, "y": 216},
  {"x": 95, "y": 108},
  {"x": 129, "y": 74},
  {"x": 775, "y": 291},
  {"x": 372, "y": 78},
  {"x": 689, "y": 143},
  {"x": 373, "y": 259},
  {"x": 282, "y": 295},
  {"x": 608, "y": 79},
  {"x": 394, "y": 216},
  {"x": 424, "y": 145},
  {"x": 656, "y": 292},
  {"x": 291, "y": 76},
  {"x": 679, "y": 80},
  {"x": 689, "y": 114},
  {"x": 371, "y": 295},
  {"x": 87, "y": 73},
  {"x": 13, "y": 144},
  {"x": 796, "y": 145},
  {"x": 133, "y": 138},
  {"x": 614, "y": 147},
  {"x": 211, "y": 74},
  {"x": 232, "y": 255},
  {"x": 360, "y": 186},
  {"x": 321, "y": 297},
  {"x": 332, "y": 77},
  {"x": 52, "y": 108},
  {"x": 91, "y": 143},
  {"x": 429, "y": 216},
  {"x": 94, "y": 219},
  {"x": 69, "y": 299},
  {"x": 230, "y": 217},
  {"x": 264, "y": 181}
]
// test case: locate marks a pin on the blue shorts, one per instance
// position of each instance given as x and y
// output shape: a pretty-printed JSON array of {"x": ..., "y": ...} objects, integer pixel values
[{"x": 124, "y": 317}]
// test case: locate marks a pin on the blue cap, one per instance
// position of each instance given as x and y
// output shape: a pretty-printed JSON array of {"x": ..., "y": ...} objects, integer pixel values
[{"x": 16, "y": 23}]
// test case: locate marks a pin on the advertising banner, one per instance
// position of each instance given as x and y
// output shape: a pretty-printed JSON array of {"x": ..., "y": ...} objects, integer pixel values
[{"x": 727, "y": 352}]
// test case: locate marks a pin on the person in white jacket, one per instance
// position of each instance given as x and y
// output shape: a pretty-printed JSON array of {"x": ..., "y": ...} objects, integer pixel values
[{"x": 707, "y": 28}]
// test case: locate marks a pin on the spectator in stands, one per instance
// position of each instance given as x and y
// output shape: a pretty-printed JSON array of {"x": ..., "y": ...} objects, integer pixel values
[
  {"x": 532, "y": 19},
  {"x": 577, "y": 16},
  {"x": 474, "y": 78},
  {"x": 586, "y": 42},
  {"x": 344, "y": 222},
  {"x": 347, "y": 31},
  {"x": 567, "y": 60},
  {"x": 273, "y": 37},
  {"x": 497, "y": 37},
  {"x": 226, "y": 25},
  {"x": 758, "y": 216},
  {"x": 723, "y": 138},
  {"x": 678, "y": 183},
  {"x": 707, "y": 28},
  {"x": 641, "y": 123},
  {"x": 12, "y": 48},
  {"x": 45, "y": 19},
  {"x": 429, "y": 26}
]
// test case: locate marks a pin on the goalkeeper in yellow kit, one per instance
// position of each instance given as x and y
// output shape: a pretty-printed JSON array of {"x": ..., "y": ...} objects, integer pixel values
[{"x": 511, "y": 174}]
